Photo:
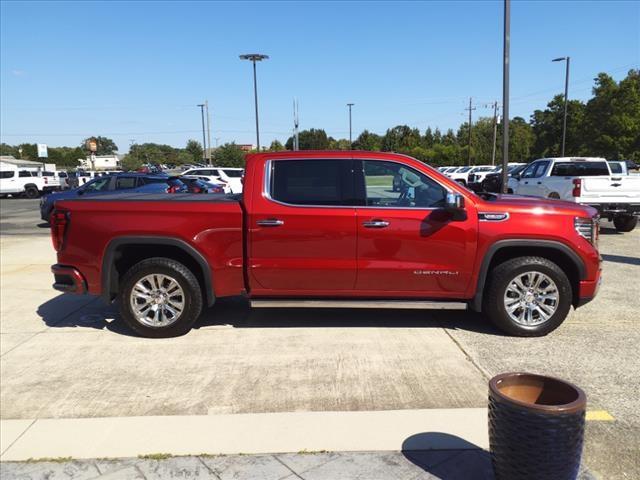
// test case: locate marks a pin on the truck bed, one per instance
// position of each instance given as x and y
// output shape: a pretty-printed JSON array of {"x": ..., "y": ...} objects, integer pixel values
[{"x": 207, "y": 226}]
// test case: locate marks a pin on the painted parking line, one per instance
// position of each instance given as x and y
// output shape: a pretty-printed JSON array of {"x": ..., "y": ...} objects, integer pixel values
[{"x": 599, "y": 416}]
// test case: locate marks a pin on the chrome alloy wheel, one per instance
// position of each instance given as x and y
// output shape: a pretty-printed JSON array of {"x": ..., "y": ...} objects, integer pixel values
[
  {"x": 531, "y": 298},
  {"x": 157, "y": 300}
]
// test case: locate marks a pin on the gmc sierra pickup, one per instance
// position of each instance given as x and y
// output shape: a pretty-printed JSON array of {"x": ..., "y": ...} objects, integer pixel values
[{"x": 328, "y": 229}]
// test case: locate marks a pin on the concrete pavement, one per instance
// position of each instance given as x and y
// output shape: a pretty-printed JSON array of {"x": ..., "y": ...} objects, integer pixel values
[{"x": 68, "y": 357}]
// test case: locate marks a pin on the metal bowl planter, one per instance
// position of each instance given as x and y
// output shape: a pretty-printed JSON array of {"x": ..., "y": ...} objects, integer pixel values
[{"x": 536, "y": 427}]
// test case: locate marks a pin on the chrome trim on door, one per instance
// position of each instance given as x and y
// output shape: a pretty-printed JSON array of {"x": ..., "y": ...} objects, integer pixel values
[
  {"x": 266, "y": 186},
  {"x": 376, "y": 224},
  {"x": 270, "y": 222}
]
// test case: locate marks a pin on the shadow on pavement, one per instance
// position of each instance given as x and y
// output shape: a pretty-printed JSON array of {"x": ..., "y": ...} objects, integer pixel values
[
  {"x": 620, "y": 259},
  {"x": 237, "y": 313},
  {"x": 609, "y": 231},
  {"x": 68, "y": 310},
  {"x": 448, "y": 457}
]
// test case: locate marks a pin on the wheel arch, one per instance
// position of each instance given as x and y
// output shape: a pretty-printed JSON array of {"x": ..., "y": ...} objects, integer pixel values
[
  {"x": 123, "y": 252},
  {"x": 557, "y": 252}
]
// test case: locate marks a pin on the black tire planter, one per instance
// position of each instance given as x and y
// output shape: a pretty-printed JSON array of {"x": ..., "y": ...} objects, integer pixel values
[{"x": 536, "y": 427}]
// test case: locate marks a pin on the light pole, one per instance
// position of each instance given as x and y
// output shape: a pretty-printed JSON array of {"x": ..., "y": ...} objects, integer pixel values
[
  {"x": 204, "y": 141},
  {"x": 505, "y": 94},
  {"x": 566, "y": 101},
  {"x": 350, "y": 141},
  {"x": 255, "y": 57}
]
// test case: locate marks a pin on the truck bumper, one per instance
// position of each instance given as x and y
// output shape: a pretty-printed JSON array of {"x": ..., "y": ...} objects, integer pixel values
[
  {"x": 68, "y": 280},
  {"x": 613, "y": 209},
  {"x": 589, "y": 290}
]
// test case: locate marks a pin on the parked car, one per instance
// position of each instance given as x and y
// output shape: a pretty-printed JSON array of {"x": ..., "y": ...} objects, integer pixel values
[
  {"x": 323, "y": 229},
  {"x": 493, "y": 181},
  {"x": 586, "y": 180},
  {"x": 106, "y": 184},
  {"x": 200, "y": 186},
  {"x": 230, "y": 178},
  {"x": 460, "y": 175}
]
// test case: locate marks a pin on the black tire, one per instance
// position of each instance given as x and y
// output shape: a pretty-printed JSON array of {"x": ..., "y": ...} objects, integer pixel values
[
  {"x": 183, "y": 276},
  {"x": 31, "y": 192},
  {"x": 500, "y": 278},
  {"x": 625, "y": 223}
]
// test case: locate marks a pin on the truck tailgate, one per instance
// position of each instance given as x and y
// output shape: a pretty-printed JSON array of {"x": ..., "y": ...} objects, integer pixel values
[{"x": 622, "y": 189}]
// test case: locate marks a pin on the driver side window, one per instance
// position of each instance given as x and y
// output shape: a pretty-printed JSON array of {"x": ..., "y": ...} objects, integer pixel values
[
  {"x": 98, "y": 185},
  {"x": 390, "y": 184}
]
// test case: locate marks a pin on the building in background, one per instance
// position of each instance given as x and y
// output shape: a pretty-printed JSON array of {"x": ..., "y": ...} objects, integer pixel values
[{"x": 100, "y": 162}]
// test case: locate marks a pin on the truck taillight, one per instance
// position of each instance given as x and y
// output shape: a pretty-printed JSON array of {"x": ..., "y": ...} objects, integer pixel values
[
  {"x": 577, "y": 187},
  {"x": 58, "y": 222}
]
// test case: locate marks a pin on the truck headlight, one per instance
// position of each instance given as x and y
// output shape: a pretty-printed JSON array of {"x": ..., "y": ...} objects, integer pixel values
[{"x": 587, "y": 228}]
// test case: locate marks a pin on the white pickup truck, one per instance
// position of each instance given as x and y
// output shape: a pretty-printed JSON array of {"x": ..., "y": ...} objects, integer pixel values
[
  {"x": 28, "y": 182},
  {"x": 589, "y": 181}
]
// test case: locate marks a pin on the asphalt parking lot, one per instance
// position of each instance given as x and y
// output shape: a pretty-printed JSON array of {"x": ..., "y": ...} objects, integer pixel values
[{"x": 68, "y": 357}]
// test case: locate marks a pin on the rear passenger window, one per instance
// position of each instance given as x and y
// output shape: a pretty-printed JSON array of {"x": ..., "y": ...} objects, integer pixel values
[
  {"x": 579, "y": 169},
  {"x": 24, "y": 173},
  {"x": 312, "y": 182}
]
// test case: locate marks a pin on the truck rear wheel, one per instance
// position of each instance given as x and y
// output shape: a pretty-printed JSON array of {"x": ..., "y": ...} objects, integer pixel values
[
  {"x": 625, "y": 223},
  {"x": 32, "y": 192},
  {"x": 527, "y": 296},
  {"x": 160, "y": 298}
]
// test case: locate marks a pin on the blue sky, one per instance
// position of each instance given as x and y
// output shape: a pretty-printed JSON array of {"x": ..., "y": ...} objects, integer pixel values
[{"x": 136, "y": 70}]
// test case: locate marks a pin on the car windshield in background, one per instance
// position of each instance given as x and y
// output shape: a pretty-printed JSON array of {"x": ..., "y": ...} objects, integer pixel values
[
  {"x": 233, "y": 173},
  {"x": 579, "y": 169}
]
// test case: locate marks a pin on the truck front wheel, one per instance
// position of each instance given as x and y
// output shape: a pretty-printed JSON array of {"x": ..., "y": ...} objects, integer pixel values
[
  {"x": 625, "y": 223},
  {"x": 160, "y": 298},
  {"x": 527, "y": 296}
]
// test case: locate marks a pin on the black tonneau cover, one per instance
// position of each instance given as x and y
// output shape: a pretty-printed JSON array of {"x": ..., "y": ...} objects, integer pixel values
[{"x": 159, "y": 197}]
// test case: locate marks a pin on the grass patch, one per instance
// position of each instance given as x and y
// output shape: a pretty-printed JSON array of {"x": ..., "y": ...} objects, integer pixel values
[
  {"x": 50, "y": 459},
  {"x": 155, "y": 456}
]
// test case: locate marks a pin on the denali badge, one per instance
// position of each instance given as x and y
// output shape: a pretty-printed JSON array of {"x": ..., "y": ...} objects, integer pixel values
[
  {"x": 492, "y": 216},
  {"x": 435, "y": 272}
]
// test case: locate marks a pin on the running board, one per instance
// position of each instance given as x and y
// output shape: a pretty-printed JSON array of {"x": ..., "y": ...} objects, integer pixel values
[{"x": 399, "y": 304}]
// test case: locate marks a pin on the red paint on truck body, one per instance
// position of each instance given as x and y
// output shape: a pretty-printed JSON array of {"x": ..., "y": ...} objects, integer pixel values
[{"x": 322, "y": 251}]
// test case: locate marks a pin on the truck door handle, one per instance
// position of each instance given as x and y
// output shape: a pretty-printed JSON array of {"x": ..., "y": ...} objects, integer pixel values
[
  {"x": 270, "y": 222},
  {"x": 376, "y": 224}
]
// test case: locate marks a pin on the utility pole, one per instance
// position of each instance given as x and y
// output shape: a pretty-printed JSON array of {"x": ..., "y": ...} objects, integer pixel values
[
  {"x": 255, "y": 57},
  {"x": 296, "y": 124},
  {"x": 470, "y": 110},
  {"x": 566, "y": 100},
  {"x": 206, "y": 106},
  {"x": 505, "y": 94},
  {"x": 495, "y": 132},
  {"x": 217, "y": 139},
  {"x": 350, "y": 139},
  {"x": 204, "y": 141}
]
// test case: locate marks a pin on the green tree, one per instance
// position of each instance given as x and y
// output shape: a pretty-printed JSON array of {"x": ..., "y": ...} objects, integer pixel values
[
  {"x": 229, "y": 155},
  {"x": 547, "y": 127},
  {"x": 106, "y": 146},
  {"x": 195, "y": 151},
  {"x": 368, "y": 141},
  {"x": 313, "y": 139},
  {"x": 612, "y": 117},
  {"x": 276, "y": 146},
  {"x": 401, "y": 138}
]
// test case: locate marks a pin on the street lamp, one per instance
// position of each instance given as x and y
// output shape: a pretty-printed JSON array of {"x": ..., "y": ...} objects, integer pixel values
[
  {"x": 255, "y": 57},
  {"x": 204, "y": 141},
  {"x": 350, "y": 141},
  {"x": 566, "y": 94}
]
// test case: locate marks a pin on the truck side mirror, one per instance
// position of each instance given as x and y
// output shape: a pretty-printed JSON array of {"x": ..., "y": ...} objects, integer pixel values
[{"x": 454, "y": 201}]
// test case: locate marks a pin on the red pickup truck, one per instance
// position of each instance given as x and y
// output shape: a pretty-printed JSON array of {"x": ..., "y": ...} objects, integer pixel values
[{"x": 330, "y": 229}]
